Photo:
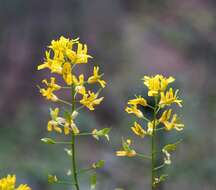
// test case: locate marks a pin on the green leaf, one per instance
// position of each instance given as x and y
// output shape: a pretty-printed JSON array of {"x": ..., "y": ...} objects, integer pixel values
[
  {"x": 93, "y": 181},
  {"x": 103, "y": 132},
  {"x": 48, "y": 141}
]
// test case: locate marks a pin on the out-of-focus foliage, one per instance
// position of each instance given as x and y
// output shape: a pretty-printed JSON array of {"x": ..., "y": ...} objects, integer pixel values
[{"x": 129, "y": 39}]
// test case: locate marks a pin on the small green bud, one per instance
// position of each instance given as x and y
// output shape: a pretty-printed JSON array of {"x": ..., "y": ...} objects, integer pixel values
[
  {"x": 48, "y": 141},
  {"x": 98, "y": 164},
  {"x": 52, "y": 179}
]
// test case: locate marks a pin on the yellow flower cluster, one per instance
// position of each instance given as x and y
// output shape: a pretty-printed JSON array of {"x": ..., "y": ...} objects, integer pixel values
[
  {"x": 9, "y": 182},
  {"x": 157, "y": 88},
  {"x": 61, "y": 58}
]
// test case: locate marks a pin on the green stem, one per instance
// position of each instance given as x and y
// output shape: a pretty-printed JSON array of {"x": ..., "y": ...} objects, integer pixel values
[
  {"x": 153, "y": 146},
  {"x": 62, "y": 142},
  {"x": 64, "y": 102},
  {"x": 84, "y": 134},
  {"x": 65, "y": 183},
  {"x": 159, "y": 167},
  {"x": 144, "y": 156},
  {"x": 74, "y": 169},
  {"x": 85, "y": 170}
]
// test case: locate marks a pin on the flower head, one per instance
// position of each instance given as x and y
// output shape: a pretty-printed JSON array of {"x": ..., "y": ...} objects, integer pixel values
[
  {"x": 8, "y": 183},
  {"x": 157, "y": 84},
  {"x": 66, "y": 73},
  {"x": 90, "y": 100},
  {"x": 96, "y": 78},
  {"x": 59, "y": 124},
  {"x": 138, "y": 101},
  {"x": 81, "y": 54},
  {"x": 134, "y": 110},
  {"x": 138, "y": 130},
  {"x": 51, "y": 87},
  {"x": 169, "y": 97},
  {"x": 173, "y": 124},
  {"x": 79, "y": 84}
]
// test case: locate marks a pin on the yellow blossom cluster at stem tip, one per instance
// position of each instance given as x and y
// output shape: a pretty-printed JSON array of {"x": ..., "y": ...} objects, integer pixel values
[
  {"x": 158, "y": 89},
  {"x": 9, "y": 182},
  {"x": 62, "y": 58}
]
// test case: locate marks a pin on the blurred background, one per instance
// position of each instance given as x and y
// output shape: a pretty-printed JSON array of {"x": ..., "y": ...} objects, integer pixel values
[{"x": 128, "y": 39}]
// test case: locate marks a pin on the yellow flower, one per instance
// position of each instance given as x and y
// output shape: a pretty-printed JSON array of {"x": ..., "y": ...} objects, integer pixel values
[
  {"x": 127, "y": 151},
  {"x": 8, "y": 183},
  {"x": 66, "y": 73},
  {"x": 173, "y": 124},
  {"x": 96, "y": 78},
  {"x": 51, "y": 87},
  {"x": 81, "y": 54},
  {"x": 138, "y": 130},
  {"x": 90, "y": 100},
  {"x": 165, "y": 115},
  {"x": 157, "y": 84},
  {"x": 138, "y": 100},
  {"x": 53, "y": 64},
  {"x": 60, "y": 46},
  {"x": 67, "y": 124},
  {"x": 169, "y": 98},
  {"x": 79, "y": 83},
  {"x": 133, "y": 110},
  {"x": 54, "y": 123}
]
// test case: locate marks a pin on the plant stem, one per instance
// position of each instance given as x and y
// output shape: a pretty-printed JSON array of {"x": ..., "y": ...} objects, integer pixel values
[
  {"x": 144, "y": 156},
  {"x": 74, "y": 169},
  {"x": 153, "y": 146}
]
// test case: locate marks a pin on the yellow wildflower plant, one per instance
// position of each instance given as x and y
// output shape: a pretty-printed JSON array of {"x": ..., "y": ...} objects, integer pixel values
[
  {"x": 158, "y": 89},
  {"x": 63, "y": 57},
  {"x": 9, "y": 183}
]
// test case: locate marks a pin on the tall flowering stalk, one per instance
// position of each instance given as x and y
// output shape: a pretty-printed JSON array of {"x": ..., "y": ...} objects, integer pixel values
[
  {"x": 62, "y": 58},
  {"x": 163, "y": 98}
]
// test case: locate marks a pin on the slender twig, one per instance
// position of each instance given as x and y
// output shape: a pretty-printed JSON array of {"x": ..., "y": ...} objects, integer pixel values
[
  {"x": 62, "y": 142},
  {"x": 79, "y": 108},
  {"x": 84, "y": 134},
  {"x": 159, "y": 129},
  {"x": 150, "y": 106},
  {"x": 64, "y": 102},
  {"x": 159, "y": 167},
  {"x": 144, "y": 156},
  {"x": 65, "y": 87},
  {"x": 65, "y": 183},
  {"x": 146, "y": 119},
  {"x": 85, "y": 170}
]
